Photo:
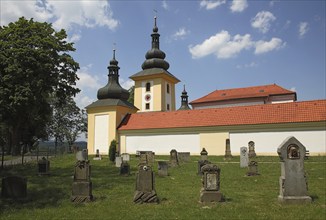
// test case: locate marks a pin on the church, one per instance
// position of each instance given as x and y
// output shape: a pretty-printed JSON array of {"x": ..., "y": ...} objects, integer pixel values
[{"x": 264, "y": 115}]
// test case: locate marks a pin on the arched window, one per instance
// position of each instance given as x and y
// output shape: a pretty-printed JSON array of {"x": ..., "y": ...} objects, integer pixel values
[
  {"x": 167, "y": 88},
  {"x": 148, "y": 87}
]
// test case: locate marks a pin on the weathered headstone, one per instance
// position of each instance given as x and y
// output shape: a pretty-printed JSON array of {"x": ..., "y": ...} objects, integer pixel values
[
  {"x": 244, "y": 159},
  {"x": 14, "y": 187},
  {"x": 202, "y": 163},
  {"x": 97, "y": 155},
  {"x": 125, "y": 168},
  {"x": 150, "y": 158},
  {"x": 163, "y": 168},
  {"x": 125, "y": 156},
  {"x": 252, "y": 168},
  {"x": 118, "y": 161},
  {"x": 174, "y": 158},
  {"x": 293, "y": 182},
  {"x": 43, "y": 166},
  {"x": 251, "y": 146},
  {"x": 184, "y": 156},
  {"x": 82, "y": 185},
  {"x": 82, "y": 155},
  {"x": 203, "y": 154},
  {"x": 210, "y": 191},
  {"x": 228, "y": 154},
  {"x": 145, "y": 186}
]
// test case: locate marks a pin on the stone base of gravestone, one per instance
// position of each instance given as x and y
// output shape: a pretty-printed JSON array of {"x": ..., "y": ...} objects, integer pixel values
[
  {"x": 253, "y": 169},
  {"x": 294, "y": 199},
  {"x": 211, "y": 196},
  {"x": 184, "y": 157},
  {"x": 43, "y": 166},
  {"x": 97, "y": 158},
  {"x": 201, "y": 163},
  {"x": 118, "y": 161},
  {"x": 125, "y": 168},
  {"x": 163, "y": 168},
  {"x": 81, "y": 192},
  {"x": 14, "y": 187}
]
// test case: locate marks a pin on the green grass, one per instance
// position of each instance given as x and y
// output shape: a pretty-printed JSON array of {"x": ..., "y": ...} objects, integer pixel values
[{"x": 246, "y": 197}]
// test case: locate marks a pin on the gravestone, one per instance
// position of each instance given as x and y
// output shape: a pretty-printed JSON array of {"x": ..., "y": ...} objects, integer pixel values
[
  {"x": 125, "y": 157},
  {"x": 253, "y": 169},
  {"x": 244, "y": 159},
  {"x": 293, "y": 182},
  {"x": 228, "y": 154},
  {"x": 201, "y": 163},
  {"x": 174, "y": 158},
  {"x": 14, "y": 187},
  {"x": 150, "y": 158},
  {"x": 210, "y": 191},
  {"x": 163, "y": 168},
  {"x": 203, "y": 154},
  {"x": 125, "y": 168},
  {"x": 97, "y": 155},
  {"x": 145, "y": 186},
  {"x": 184, "y": 156},
  {"x": 82, "y": 185},
  {"x": 82, "y": 155},
  {"x": 43, "y": 166},
  {"x": 118, "y": 161},
  {"x": 252, "y": 152}
]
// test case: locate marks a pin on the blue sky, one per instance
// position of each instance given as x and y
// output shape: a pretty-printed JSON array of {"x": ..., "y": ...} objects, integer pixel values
[{"x": 210, "y": 45}]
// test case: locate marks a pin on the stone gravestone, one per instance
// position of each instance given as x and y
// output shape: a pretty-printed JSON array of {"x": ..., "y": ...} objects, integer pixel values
[
  {"x": 14, "y": 187},
  {"x": 150, "y": 158},
  {"x": 82, "y": 185},
  {"x": 252, "y": 152},
  {"x": 174, "y": 158},
  {"x": 125, "y": 168},
  {"x": 82, "y": 155},
  {"x": 293, "y": 182},
  {"x": 118, "y": 161},
  {"x": 184, "y": 156},
  {"x": 145, "y": 189},
  {"x": 43, "y": 166},
  {"x": 143, "y": 159},
  {"x": 244, "y": 159},
  {"x": 163, "y": 168},
  {"x": 210, "y": 191},
  {"x": 97, "y": 155},
  {"x": 202, "y": 163},
  {"x": 203, "y": 154},
  {"x": 253, "y": 169},
  {"x": 125, "y": 156},
  {"x": 228, "y": 154}
]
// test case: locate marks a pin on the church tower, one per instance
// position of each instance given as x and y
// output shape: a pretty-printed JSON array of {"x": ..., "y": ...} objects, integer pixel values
[
  {"x": 155, "y": 85},
  {"x": 105, "y": 114}
]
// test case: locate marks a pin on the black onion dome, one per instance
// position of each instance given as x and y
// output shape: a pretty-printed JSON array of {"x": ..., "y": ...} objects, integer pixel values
[{"x": 113, "y": 89}]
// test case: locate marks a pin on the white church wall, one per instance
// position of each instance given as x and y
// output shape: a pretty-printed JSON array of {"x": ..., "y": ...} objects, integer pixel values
[
  {"x": 266, "y": 143},
  {"x": 163, "y": 144}
]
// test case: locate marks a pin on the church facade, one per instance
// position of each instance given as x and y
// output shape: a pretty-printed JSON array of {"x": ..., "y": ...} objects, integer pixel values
[{"x": 265, "y": 115}]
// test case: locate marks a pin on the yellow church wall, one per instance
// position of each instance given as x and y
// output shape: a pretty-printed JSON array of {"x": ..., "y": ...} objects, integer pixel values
[
  {"x": 214, "y": 143},
  {"x": 138, "y": 95}
]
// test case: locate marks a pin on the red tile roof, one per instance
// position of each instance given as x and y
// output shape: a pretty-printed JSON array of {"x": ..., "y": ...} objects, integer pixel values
[
  {"x": 306, "y": 111},
  {"x": 241, "y": 93}
]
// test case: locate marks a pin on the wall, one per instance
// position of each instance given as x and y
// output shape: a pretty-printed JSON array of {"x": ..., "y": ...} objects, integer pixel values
[{"x": 214, "y": 143}]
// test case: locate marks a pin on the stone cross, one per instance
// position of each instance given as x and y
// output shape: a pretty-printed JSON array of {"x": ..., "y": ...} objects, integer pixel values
[
  {"x": 210, "y": 191},
  {"x": 145, "y": 186},
  {"x": 293, "y": 182},
  {"x": 244, "y": 159}
]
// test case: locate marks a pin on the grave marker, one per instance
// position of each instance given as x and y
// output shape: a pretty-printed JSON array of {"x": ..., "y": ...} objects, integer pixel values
[
  {"x": 244, "y": 159},
  {"x": 210, "y": 191},
  {"x": 14, "y": 187},
  {"x": 228, "y": 154},
  {"x": 97, "y": 155},
  {"x": 252, "y": 152},
  {"x": 174, "y": 158},
  {"x": 43, "y": 166},
  {"x": 163, "y": 168},
  {"x": 184, "y": 156}
]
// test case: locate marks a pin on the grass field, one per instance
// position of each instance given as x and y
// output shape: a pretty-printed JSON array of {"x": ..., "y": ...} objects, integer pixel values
[{"x": 246, "y": 197}]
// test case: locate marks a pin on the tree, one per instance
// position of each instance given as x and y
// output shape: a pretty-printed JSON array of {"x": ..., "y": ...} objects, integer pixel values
[
  {"x": 112, "y": 150},
  {"x": 34, "y": 65},
  {"x": 131, "y": 94}
]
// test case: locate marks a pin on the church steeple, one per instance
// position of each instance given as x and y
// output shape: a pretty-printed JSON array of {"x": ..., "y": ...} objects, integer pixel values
[
  {"x": 113, "y": 89},
  {"x": 155, "y": 57},
  {"x": 184, "y": 100}
]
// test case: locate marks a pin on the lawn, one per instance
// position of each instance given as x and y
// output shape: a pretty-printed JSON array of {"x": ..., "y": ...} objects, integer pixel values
[{"x": 246, "y": 197}]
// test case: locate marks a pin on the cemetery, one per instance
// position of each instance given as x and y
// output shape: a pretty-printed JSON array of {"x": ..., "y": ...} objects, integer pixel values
[{"x": 79, "y": 187}]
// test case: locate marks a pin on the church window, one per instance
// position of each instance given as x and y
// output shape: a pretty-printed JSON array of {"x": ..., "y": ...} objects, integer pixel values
[
  {"x": 148, "y": 87},
  {"x": 168, "y": 107},
  {"x": 147, "y": 106},
  {"x": 168, "y": 88}
]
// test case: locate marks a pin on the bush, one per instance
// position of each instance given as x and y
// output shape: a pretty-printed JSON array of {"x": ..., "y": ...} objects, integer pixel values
[{"x": 112, "y": 150}]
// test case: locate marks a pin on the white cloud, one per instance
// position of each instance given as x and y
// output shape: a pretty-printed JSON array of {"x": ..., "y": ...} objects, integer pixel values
[
  {"x": 247, "y": 65},
  {"x": 238, "y": 5},
  {"x": 165, "y": 5},
  {"x": 262, "y": 21},
  {"x": 74, "y": 38},
  {"x": 126, "y": 84},
  {"x": 181, "y": 33},
  {"x": 86, "y": 79},
  {"x": 63, "y": 14},
  {"x": 267, "y": 46},
  {"x": 303, "y": 29},
  {"x": 224, "y": 46},
  {"x": 211, "y": 4}
]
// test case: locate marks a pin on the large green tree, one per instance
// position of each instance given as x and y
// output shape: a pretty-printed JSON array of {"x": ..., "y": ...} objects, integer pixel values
[{"x": 35, "y": 64}]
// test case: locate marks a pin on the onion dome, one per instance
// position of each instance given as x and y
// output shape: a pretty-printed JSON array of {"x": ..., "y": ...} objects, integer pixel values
[
  {"x": 155, "y": 57},
  {"x": 113, "y": 89}
]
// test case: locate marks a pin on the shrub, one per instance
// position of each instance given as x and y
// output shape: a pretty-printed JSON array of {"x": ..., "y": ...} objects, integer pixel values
[{"x": 112, "y": 150}]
